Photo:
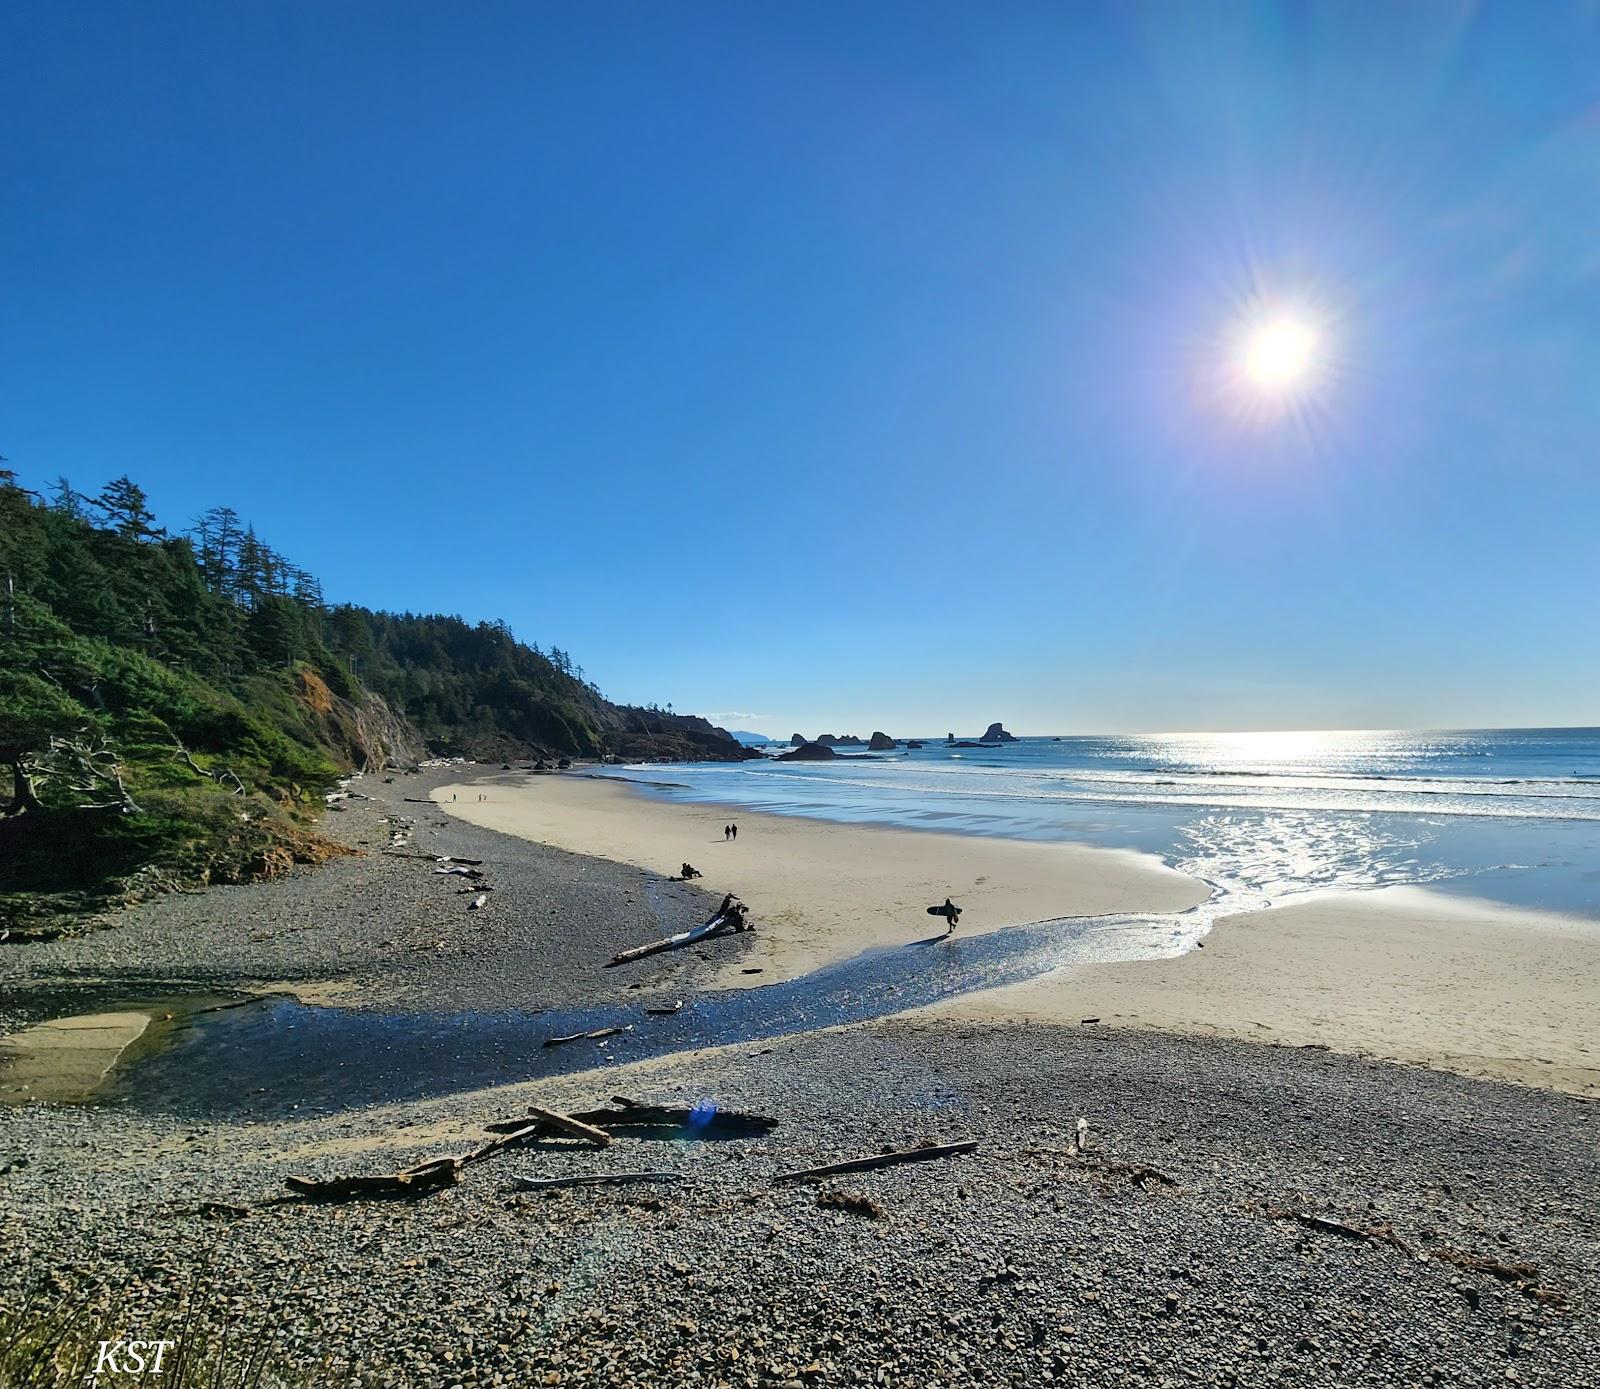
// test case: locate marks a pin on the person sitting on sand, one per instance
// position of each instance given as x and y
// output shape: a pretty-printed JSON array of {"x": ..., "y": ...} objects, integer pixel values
[
  {"x": 689, "y": 871},
  {"x": 950, "y": 912}
]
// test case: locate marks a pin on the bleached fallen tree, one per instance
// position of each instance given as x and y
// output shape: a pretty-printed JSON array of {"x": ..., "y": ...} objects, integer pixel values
[{"x": 86, "y": 767}]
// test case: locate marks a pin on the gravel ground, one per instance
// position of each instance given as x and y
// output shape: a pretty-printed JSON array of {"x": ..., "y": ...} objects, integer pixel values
[
  {"x": 388, "y": 929},
  {"x": 1014, "y": 1265}
]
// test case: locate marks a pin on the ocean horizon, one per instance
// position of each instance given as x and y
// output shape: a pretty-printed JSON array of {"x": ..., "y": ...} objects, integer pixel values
[{"x": 1510, "y": 815}]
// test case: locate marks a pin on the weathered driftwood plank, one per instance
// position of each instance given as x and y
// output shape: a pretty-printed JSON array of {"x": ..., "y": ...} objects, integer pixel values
[
  {"x": 922, "y": 1154},
  {"x": 568, "y": 1124},
  {"x": 532, "y": 1128}
]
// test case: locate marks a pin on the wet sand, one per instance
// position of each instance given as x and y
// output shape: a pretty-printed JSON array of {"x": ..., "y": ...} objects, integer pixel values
[
  {"x": 1403, "y": 974},
  {"x": 822, "y": 892},
  {"x": 66, "y": 1058}
]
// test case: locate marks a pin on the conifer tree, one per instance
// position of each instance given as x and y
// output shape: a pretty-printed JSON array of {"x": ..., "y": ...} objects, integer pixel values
[
  {"x": 67, "y": 501},
  {"x": 127, "y": 508}
]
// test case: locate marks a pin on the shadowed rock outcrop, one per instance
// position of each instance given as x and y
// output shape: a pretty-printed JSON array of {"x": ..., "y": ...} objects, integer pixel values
[{"x": 809, "y": 752}]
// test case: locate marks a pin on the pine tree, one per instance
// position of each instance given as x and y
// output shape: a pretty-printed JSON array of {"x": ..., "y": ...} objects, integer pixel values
[
  {"x": 217, "y": 536},
  {"x": 127, "y": 508},
  {"x": 69, "y": 502}
]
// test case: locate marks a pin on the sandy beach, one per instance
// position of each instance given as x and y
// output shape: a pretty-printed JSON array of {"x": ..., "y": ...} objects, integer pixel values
[
  {"x": 1403, "y": 973},
  {"x": 823, "y": 892}
]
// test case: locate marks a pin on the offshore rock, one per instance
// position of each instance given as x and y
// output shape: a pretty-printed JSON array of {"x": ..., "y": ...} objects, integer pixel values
[
  {"x": 881, "y": 742},
  {"x": 809, "y": 752},
  {"x": 996, "y": 734}
]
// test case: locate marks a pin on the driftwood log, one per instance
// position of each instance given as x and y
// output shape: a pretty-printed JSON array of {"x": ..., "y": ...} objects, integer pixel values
[
  {"x": 661, "y": 1121},
  {"x": 1376, "y": 1234},
  {"x": 729, "y": 918},
  {"x": 583, "y": 1036},
  {"x": 438, "y": 1173},
  {"x": 411, "y": 1181},
  {"x": 922, "y": 1154}
]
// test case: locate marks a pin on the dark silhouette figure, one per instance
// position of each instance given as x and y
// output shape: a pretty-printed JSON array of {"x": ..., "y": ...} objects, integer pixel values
[
  {"x": 735, "y": 830},
  {"x": 726, "y": 831},
  {"x": 690, "y": 871},
  {"x": 950, "y": 912}
]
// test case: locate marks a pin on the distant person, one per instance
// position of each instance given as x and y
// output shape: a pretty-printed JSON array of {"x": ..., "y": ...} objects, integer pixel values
[
  {"x": 951, "y": 914},
  {"x": 735, "y": 830},
  {"x": 726, "y": 831}
]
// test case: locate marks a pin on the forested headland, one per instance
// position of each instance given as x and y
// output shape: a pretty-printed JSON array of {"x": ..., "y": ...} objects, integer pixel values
[{"x": 174, "y": 706}]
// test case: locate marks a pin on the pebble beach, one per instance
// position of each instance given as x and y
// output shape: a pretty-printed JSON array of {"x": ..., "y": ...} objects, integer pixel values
[{"x": 1236, "y": 1213}]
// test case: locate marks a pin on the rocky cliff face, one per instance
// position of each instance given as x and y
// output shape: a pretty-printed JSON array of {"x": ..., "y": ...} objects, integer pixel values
[
  {"x": 647, "y": 735},
  {"x": 367, "y": 736},
  {"x": 996, "y": 734}
]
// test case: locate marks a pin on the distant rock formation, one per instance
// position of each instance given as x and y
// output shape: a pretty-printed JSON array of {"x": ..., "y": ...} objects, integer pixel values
[
  {"x": 839, "y": 740},
  {"x": 797, "y": 740},
  {"x": 913, "y": 743},
  {"x": 809, "y": 752},
  {"x": 881, "y": 742},
  {"x": 996, "y": 734},
  {"x": 949, "y": 737}
]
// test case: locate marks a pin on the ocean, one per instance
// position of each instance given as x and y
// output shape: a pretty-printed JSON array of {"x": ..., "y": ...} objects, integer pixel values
[{"x": 1511, "y": 815}]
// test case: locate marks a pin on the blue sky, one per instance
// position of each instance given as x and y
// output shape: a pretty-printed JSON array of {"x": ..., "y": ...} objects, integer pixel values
[{"x": 851, "y": 366}]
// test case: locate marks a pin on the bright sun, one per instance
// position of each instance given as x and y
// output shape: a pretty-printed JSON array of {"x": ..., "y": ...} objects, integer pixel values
[{"x": 1279, "y": 354}]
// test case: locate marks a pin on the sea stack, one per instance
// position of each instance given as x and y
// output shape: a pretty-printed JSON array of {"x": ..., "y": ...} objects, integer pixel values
[
  {"x": 881, "y": 742},
  {"x": 997, "y": 734},
  {"x": 809, "y": 752}
]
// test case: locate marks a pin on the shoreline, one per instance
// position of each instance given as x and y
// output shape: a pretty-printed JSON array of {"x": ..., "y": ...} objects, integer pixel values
[
  {"x": 1400, "y": 974},
  {"x": 822, "y": 892}
]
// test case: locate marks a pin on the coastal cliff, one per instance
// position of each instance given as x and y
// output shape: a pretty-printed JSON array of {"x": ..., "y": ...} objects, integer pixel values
[{"x": 176, "y": 710}]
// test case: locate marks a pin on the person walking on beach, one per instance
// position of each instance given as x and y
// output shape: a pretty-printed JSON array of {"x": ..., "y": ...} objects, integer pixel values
[
  {"x": 725, "y": 829},
  {"x": 951, "y": 914},
  {"x": 735, "y": 830}
]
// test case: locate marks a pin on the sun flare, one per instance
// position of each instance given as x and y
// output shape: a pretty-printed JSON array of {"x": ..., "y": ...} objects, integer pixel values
[{"x": 1279, "y": 354}]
